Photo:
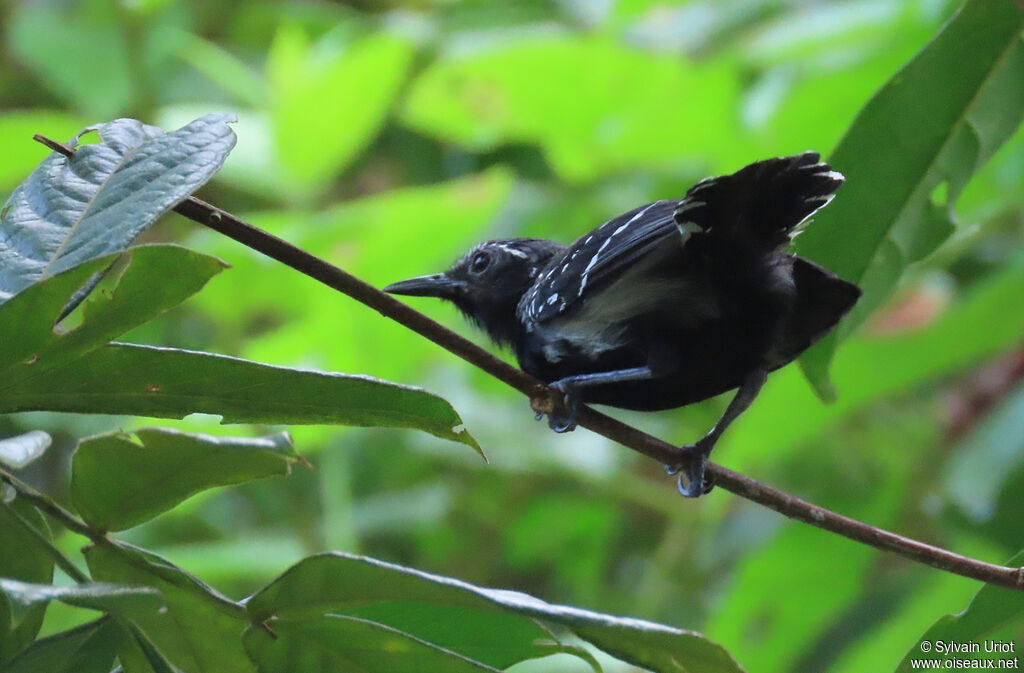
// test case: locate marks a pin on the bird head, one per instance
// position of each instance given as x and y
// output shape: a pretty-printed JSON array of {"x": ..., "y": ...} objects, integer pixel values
[{"x": 487, "y": 282}]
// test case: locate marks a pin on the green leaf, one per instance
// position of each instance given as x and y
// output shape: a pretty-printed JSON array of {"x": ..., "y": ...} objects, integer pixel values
[
  {"x": 345, "y": 583},
  {"x": 982, "y": 461},
  {"x": 97, "y": 202},
  {"x": 78, "y": 51},
  {"x": 89, "y": 648},
  {"x": 6, "y": 621},
  {"x": 886, "y": 641},
  {"x": 22, "y": 558},
  {"x": 339, "y": 643},
  {"x": 199, "y": 632},
  {"x": 909, "y": 154},
  {"x": 151, "y": 656},
  {"x": 118, "y": 482},
  {"x": 330, "y": 100},
  {"x": 150, "y": 565},
  {"x": 19, "y": 451},
  {"x": 43, "y": 370},
  {"x": 492, "y": 638},
  {"x": 222, "y": 67},
  {"x": 114, "y": 598},
  {"x": 995, "y": 614},
  {"x": 157, "y": 279},
  {"x": 600, "y": 106},
  {"x": 172, "y": 383},
  {"x": 767, "y": 617}
]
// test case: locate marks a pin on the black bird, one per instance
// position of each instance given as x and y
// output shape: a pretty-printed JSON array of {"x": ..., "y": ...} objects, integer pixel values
[{"x": 669, "y": 304}]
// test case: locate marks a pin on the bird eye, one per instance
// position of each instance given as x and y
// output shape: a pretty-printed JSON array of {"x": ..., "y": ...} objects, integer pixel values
[{"x": 480, "y": 262}]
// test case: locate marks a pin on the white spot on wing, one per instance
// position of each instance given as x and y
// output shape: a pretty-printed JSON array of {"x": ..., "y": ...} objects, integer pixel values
[
  {"x": 688, "y": 205},
  {"x": 635, "y": 217}
]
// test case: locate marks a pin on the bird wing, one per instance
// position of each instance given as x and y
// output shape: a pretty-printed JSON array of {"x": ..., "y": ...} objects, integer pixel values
[
  {"x": 590, "y": 262},
  {"x": 761, "y": 206}
]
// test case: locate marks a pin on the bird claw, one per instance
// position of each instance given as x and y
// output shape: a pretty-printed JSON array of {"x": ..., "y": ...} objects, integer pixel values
[
  {"x": 698, "y": 481},
  {"x": 571, "y": 402}
]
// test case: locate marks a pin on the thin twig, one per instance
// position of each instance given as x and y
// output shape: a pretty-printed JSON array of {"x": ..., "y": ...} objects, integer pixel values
[
  {"x": 542, "y": 398},
  {"x": 51, "y": 508},
  {"x": 62, "y": 561}
]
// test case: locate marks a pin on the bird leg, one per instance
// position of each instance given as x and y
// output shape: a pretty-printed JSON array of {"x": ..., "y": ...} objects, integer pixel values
[
  {"x": 571, "y": 386},
  {"x": 697, "y": 484}
]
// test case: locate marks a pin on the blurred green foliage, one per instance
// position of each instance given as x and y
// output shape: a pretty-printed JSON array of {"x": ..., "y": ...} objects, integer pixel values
[{"x": 388, "y": 136}]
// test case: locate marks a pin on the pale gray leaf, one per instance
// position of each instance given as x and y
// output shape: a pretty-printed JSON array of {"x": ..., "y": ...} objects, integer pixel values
[
  {"x": 19, "y": 451},
  {"x": 97, "y": 202}
]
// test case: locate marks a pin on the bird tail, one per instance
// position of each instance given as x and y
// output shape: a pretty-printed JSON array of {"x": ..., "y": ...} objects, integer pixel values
[
  {"x": 822, "y": 299},
  {"x": 765, "y": 202}
]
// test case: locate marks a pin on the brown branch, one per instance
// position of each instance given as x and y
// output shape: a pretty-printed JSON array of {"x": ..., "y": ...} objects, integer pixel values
[{"x": 543, "y": 399}]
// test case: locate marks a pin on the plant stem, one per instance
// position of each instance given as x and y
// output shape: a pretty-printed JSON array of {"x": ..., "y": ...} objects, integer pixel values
[
  {"x": 62, "y": 561},
  {"x": 52, "y": 509}
]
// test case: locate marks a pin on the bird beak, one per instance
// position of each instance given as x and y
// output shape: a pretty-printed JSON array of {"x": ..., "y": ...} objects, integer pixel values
[{"x": 435, "y": 285}]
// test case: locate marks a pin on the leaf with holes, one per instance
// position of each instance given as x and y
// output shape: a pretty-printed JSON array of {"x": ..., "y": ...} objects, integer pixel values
[
  {"x": 158, "y": 278},
  {"x": 908, "y": 155}
]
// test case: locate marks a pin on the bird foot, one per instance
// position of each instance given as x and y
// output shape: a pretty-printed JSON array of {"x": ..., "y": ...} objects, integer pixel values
[
  {"x": 698, "y": 481},
  {"x": 570, "y": 402}
]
